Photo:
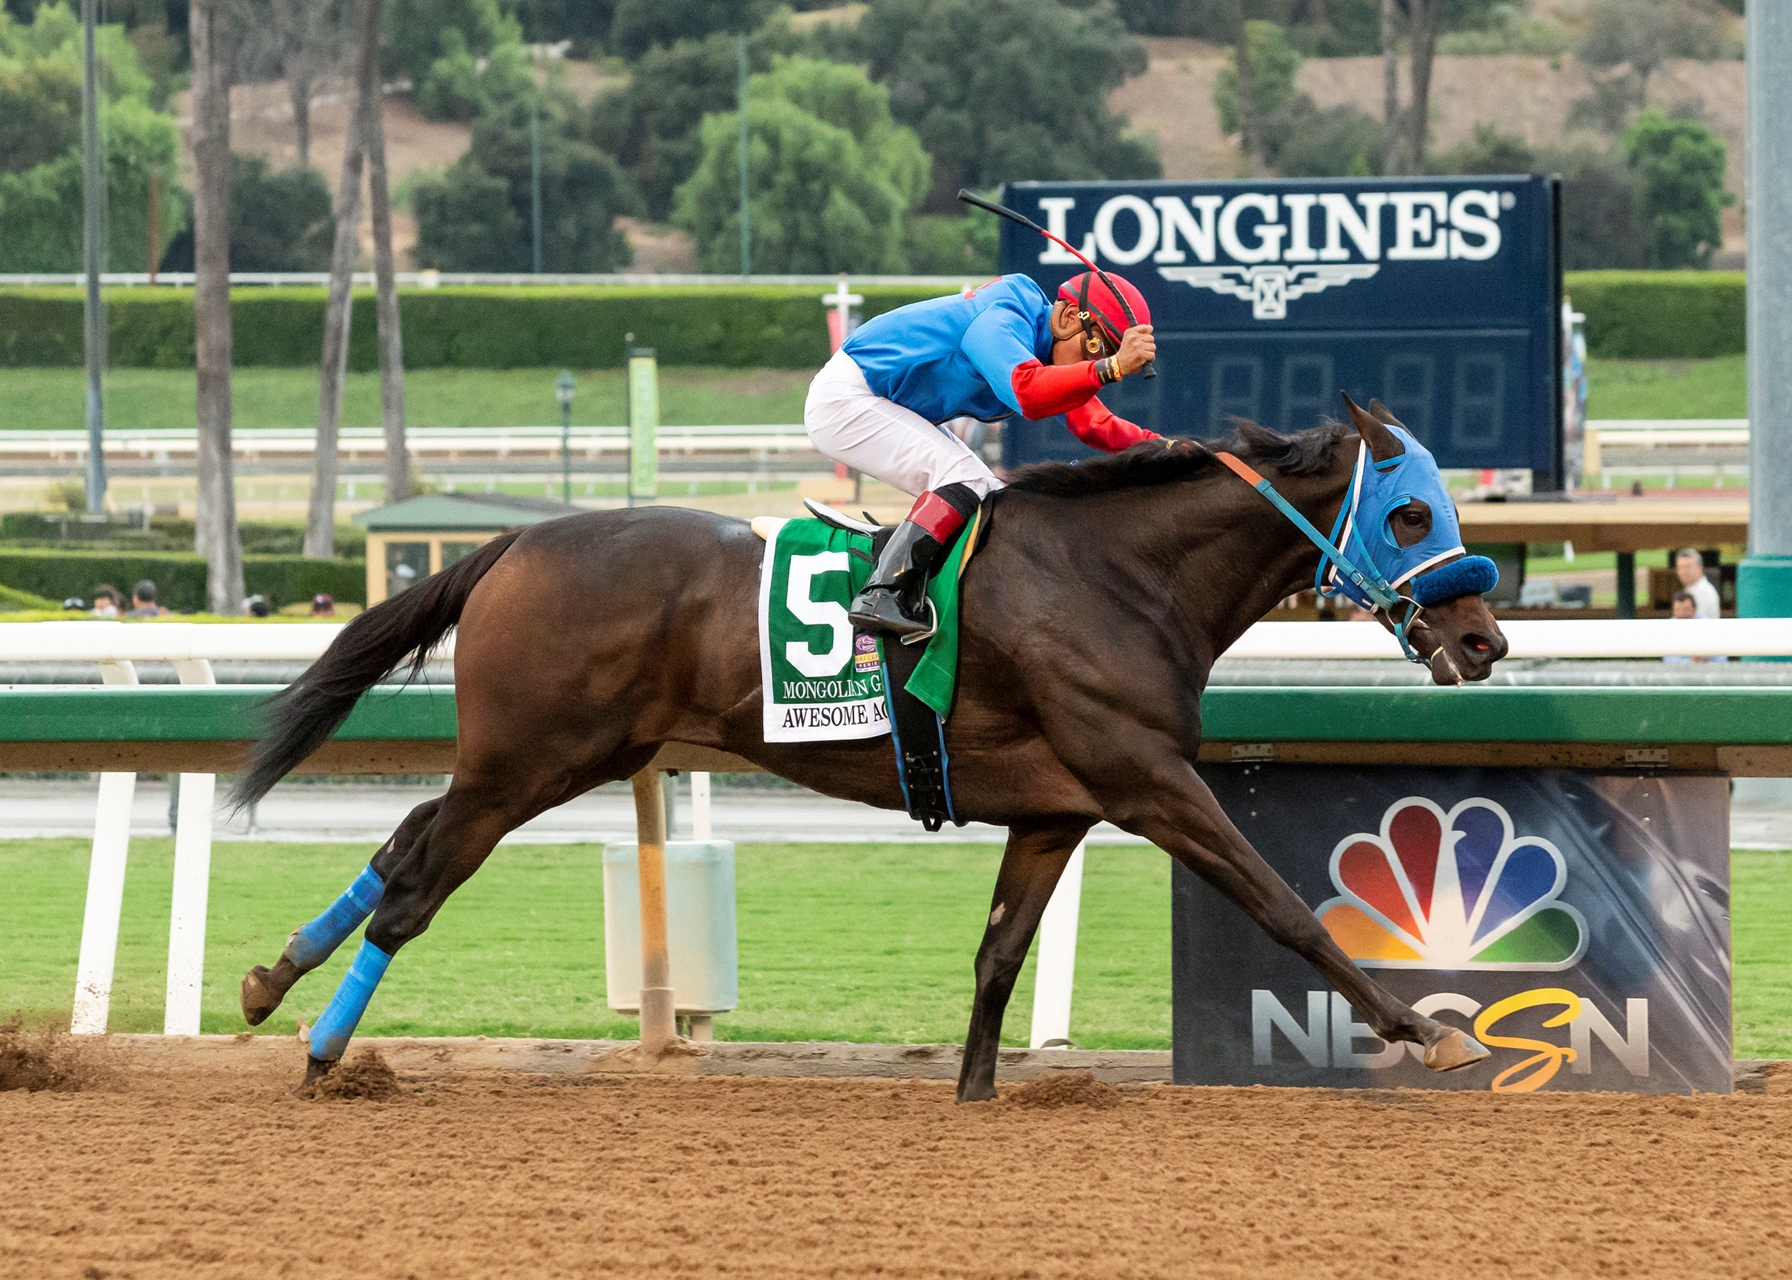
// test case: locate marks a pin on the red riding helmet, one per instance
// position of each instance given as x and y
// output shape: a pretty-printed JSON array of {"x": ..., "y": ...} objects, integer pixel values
[{"x": 1088, "y": 292}]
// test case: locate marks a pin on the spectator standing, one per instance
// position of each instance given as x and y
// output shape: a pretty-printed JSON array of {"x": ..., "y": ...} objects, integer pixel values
[
  {"x": 143, "y": 601},
  {"x": 107, "y": 602},
  {"x": 1689, "y": 567}
]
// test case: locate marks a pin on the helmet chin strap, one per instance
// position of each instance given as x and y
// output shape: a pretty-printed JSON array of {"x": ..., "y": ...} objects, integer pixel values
[{"x": 1091, "y": 343}]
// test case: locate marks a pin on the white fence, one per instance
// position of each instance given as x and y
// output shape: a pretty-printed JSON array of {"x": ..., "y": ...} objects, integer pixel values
[
  {"x": 435, "y": 279},
  {"x": 255, "y": 443},
  {"x": 192, "y": 647}
]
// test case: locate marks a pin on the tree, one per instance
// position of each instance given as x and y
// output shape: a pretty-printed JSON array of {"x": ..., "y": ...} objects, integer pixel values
[
  {"x": 391, "y": 338},
  {"x": 320, "y": 521},
  {"x": 214, "y": 528},
  {"x": 1390, "y": 86},
  {"x": 459, "y": 54},
  {"x": 1303, "y": 141},
  {"x": 278, "y": 221},
  {"x": 1000, "y": 90},
  {"x": 1679, "y": 167},
  {"x": 639, "y": 25},
  {"x": 1258, "y": 83},
  {"x": 309, "y": 39},
  {"x": 40, "y": 114},
  {"x": 831, "y": 175},
  {"x": 650, "y": 126},
  {"x": 1291, "y": 136},
  {"x": 1642, "y": 34},
  {"x": 40, "y": 155},
  {"x": 584, "y": 22},
  {"x": 476, "y": 216}
]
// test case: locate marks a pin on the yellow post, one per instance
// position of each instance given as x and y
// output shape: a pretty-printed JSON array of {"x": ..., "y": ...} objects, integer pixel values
[{"x": 658, "y": 1020}]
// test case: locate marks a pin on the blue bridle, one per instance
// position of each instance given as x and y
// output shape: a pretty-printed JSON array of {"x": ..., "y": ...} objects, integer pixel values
[{"x": 1374, "y": 577}]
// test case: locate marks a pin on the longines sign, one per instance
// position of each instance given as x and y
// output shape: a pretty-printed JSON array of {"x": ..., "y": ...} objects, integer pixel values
[{"x": 1439, "y": 296}]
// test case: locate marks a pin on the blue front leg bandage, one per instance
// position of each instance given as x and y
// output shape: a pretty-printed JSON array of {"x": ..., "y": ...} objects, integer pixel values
[
  {"x": 317, "y": 941},
  {"x": 329, "y": 1038}
]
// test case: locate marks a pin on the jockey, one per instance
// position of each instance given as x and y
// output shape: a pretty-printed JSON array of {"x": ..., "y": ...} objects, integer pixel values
[{"x": 998, "y": 351}]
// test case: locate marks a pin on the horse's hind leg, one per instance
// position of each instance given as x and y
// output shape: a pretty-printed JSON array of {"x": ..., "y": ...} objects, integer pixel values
[
  {"x": 311, "y": 944},
  {"x": 1031, "y": 865},
  {"x": 481, "y": 807}
]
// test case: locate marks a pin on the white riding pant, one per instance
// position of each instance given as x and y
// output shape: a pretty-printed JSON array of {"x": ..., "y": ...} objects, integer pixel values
[{"x": 850, "y": 423}]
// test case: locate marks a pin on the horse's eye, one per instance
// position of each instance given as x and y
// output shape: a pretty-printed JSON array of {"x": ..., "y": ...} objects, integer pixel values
[{"x": 1411, "y": 523}]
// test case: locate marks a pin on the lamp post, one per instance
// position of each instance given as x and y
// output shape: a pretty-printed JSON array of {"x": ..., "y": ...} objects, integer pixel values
[{"x": 564, "y": 387}]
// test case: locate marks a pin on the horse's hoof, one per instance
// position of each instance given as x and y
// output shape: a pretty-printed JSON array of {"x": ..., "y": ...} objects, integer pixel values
[
  {"x": 1454, "y": 1050},
  {"x": 977, "y": 1093},
  {"x": 315, "y": 1069},
  {"x": 258, "y": 996}
]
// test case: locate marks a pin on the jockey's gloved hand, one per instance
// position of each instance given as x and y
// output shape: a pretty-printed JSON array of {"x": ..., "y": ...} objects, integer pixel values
[{"x": 1138, "y": 348}]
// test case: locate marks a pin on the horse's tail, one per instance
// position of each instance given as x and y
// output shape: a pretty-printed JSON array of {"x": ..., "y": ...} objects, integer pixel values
[{"x": 304, "y": 714}]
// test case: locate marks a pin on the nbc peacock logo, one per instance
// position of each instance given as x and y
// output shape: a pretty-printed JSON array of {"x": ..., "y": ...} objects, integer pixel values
[{"x": 1455, "y": 890}]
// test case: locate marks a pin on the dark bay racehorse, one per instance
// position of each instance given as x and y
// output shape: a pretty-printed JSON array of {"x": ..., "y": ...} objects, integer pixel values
[{"x": 1090, "y": 622}]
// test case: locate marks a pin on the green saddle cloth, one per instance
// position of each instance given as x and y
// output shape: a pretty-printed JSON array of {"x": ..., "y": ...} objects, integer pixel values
[{"x": 936, "y": 676}]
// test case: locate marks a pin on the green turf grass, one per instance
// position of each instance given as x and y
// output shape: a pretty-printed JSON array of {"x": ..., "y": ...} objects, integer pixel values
[
  {"x": 42, "y": 399},
  {"x": 1668, "y": 388},
  {"x": 1761, "y": 947},
  {"x": 837, "y": 942},
  {"x": 866, "y": 943},
  {"x": 45, "y": 398}
]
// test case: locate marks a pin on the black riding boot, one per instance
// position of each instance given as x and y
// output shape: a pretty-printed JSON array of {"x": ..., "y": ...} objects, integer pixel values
[{"x": 894, "y": 601}]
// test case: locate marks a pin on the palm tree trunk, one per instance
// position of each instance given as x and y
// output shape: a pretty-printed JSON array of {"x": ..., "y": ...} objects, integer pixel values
[
  {"x": 298, "y": 85},
  {"x": 1390, "y": 90},
  {"x": 398, "y": 463},
  {"x": 1250, "y": 125},
  {"x": 215, "y": 529},
  {"x": 320, "y": 525},
  {"x": 1424, "y": 45}
]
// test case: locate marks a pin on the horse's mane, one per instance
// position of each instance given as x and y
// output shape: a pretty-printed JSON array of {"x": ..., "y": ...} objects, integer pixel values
[{"x": 1163, "y": 461}]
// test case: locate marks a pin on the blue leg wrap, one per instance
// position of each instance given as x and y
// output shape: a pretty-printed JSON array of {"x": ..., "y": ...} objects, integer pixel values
[
  {"x": 329, "y": 1038},
  {"x": 317, "y": 941}
]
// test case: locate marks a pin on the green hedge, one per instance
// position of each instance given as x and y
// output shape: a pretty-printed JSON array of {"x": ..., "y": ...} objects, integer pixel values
[
  {"x": 1661, "y": 315},
  {"x": 179, "y": 578},
  {"x": 737, "y": 326},
  {"x": 1630, "y": 315}
]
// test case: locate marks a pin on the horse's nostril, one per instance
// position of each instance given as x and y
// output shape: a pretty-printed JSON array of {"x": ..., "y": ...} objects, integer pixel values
[{"x": 1476, "y": 643}]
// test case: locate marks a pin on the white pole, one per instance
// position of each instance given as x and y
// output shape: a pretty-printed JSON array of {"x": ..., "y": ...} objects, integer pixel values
[
  {"x": 699, "y": 806},
  {"x": 192, "y": 886},
  {"x": 1056, "y": 973},
  {"x": 105, "y": 887}
]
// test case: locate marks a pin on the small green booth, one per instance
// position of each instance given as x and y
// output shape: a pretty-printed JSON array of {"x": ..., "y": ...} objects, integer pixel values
[{"x": 410, "y": 540}]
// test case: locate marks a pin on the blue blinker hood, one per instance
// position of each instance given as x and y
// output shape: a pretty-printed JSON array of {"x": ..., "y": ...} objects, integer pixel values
[{"x": 1377, "y": 491}]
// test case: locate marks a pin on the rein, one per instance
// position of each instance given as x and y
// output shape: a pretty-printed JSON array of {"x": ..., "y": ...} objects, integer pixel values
[{"x": 1386, "y": 598}]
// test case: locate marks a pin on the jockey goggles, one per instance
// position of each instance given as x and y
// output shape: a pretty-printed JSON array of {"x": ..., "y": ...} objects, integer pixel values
[{"x": 1380, "y": 566}]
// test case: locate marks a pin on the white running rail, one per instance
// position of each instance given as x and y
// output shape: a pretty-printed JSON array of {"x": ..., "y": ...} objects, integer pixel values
[
  {"x": 96, "y": 641},
  {"x": 428, "y": 442},
  {"x": 117, "y": 646}
]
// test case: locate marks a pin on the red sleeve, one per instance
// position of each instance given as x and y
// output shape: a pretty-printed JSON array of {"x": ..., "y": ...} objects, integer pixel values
[
  {"x": 1042, "y": 390},
  {"x": 1095, "y": 424}
]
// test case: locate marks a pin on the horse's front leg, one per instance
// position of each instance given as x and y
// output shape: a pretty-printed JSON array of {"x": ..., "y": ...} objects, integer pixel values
[
  {"x": 1171, "y": 807},
  {"x": 1031, "y": 864}
]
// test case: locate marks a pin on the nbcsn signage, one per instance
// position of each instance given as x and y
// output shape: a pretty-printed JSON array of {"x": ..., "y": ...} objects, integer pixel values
[
  {"x": 1436, "y": 295},
  {"x": 1456, "y": 891},
  {"x": 1574, "y": 923}
]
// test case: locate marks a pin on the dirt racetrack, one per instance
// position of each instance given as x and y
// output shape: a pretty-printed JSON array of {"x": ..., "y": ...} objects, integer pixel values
[{"x": 210, "y": 1167}]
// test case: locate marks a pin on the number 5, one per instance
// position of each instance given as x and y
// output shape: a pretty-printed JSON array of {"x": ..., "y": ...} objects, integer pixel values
[{"x": 817, "y": 613}]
